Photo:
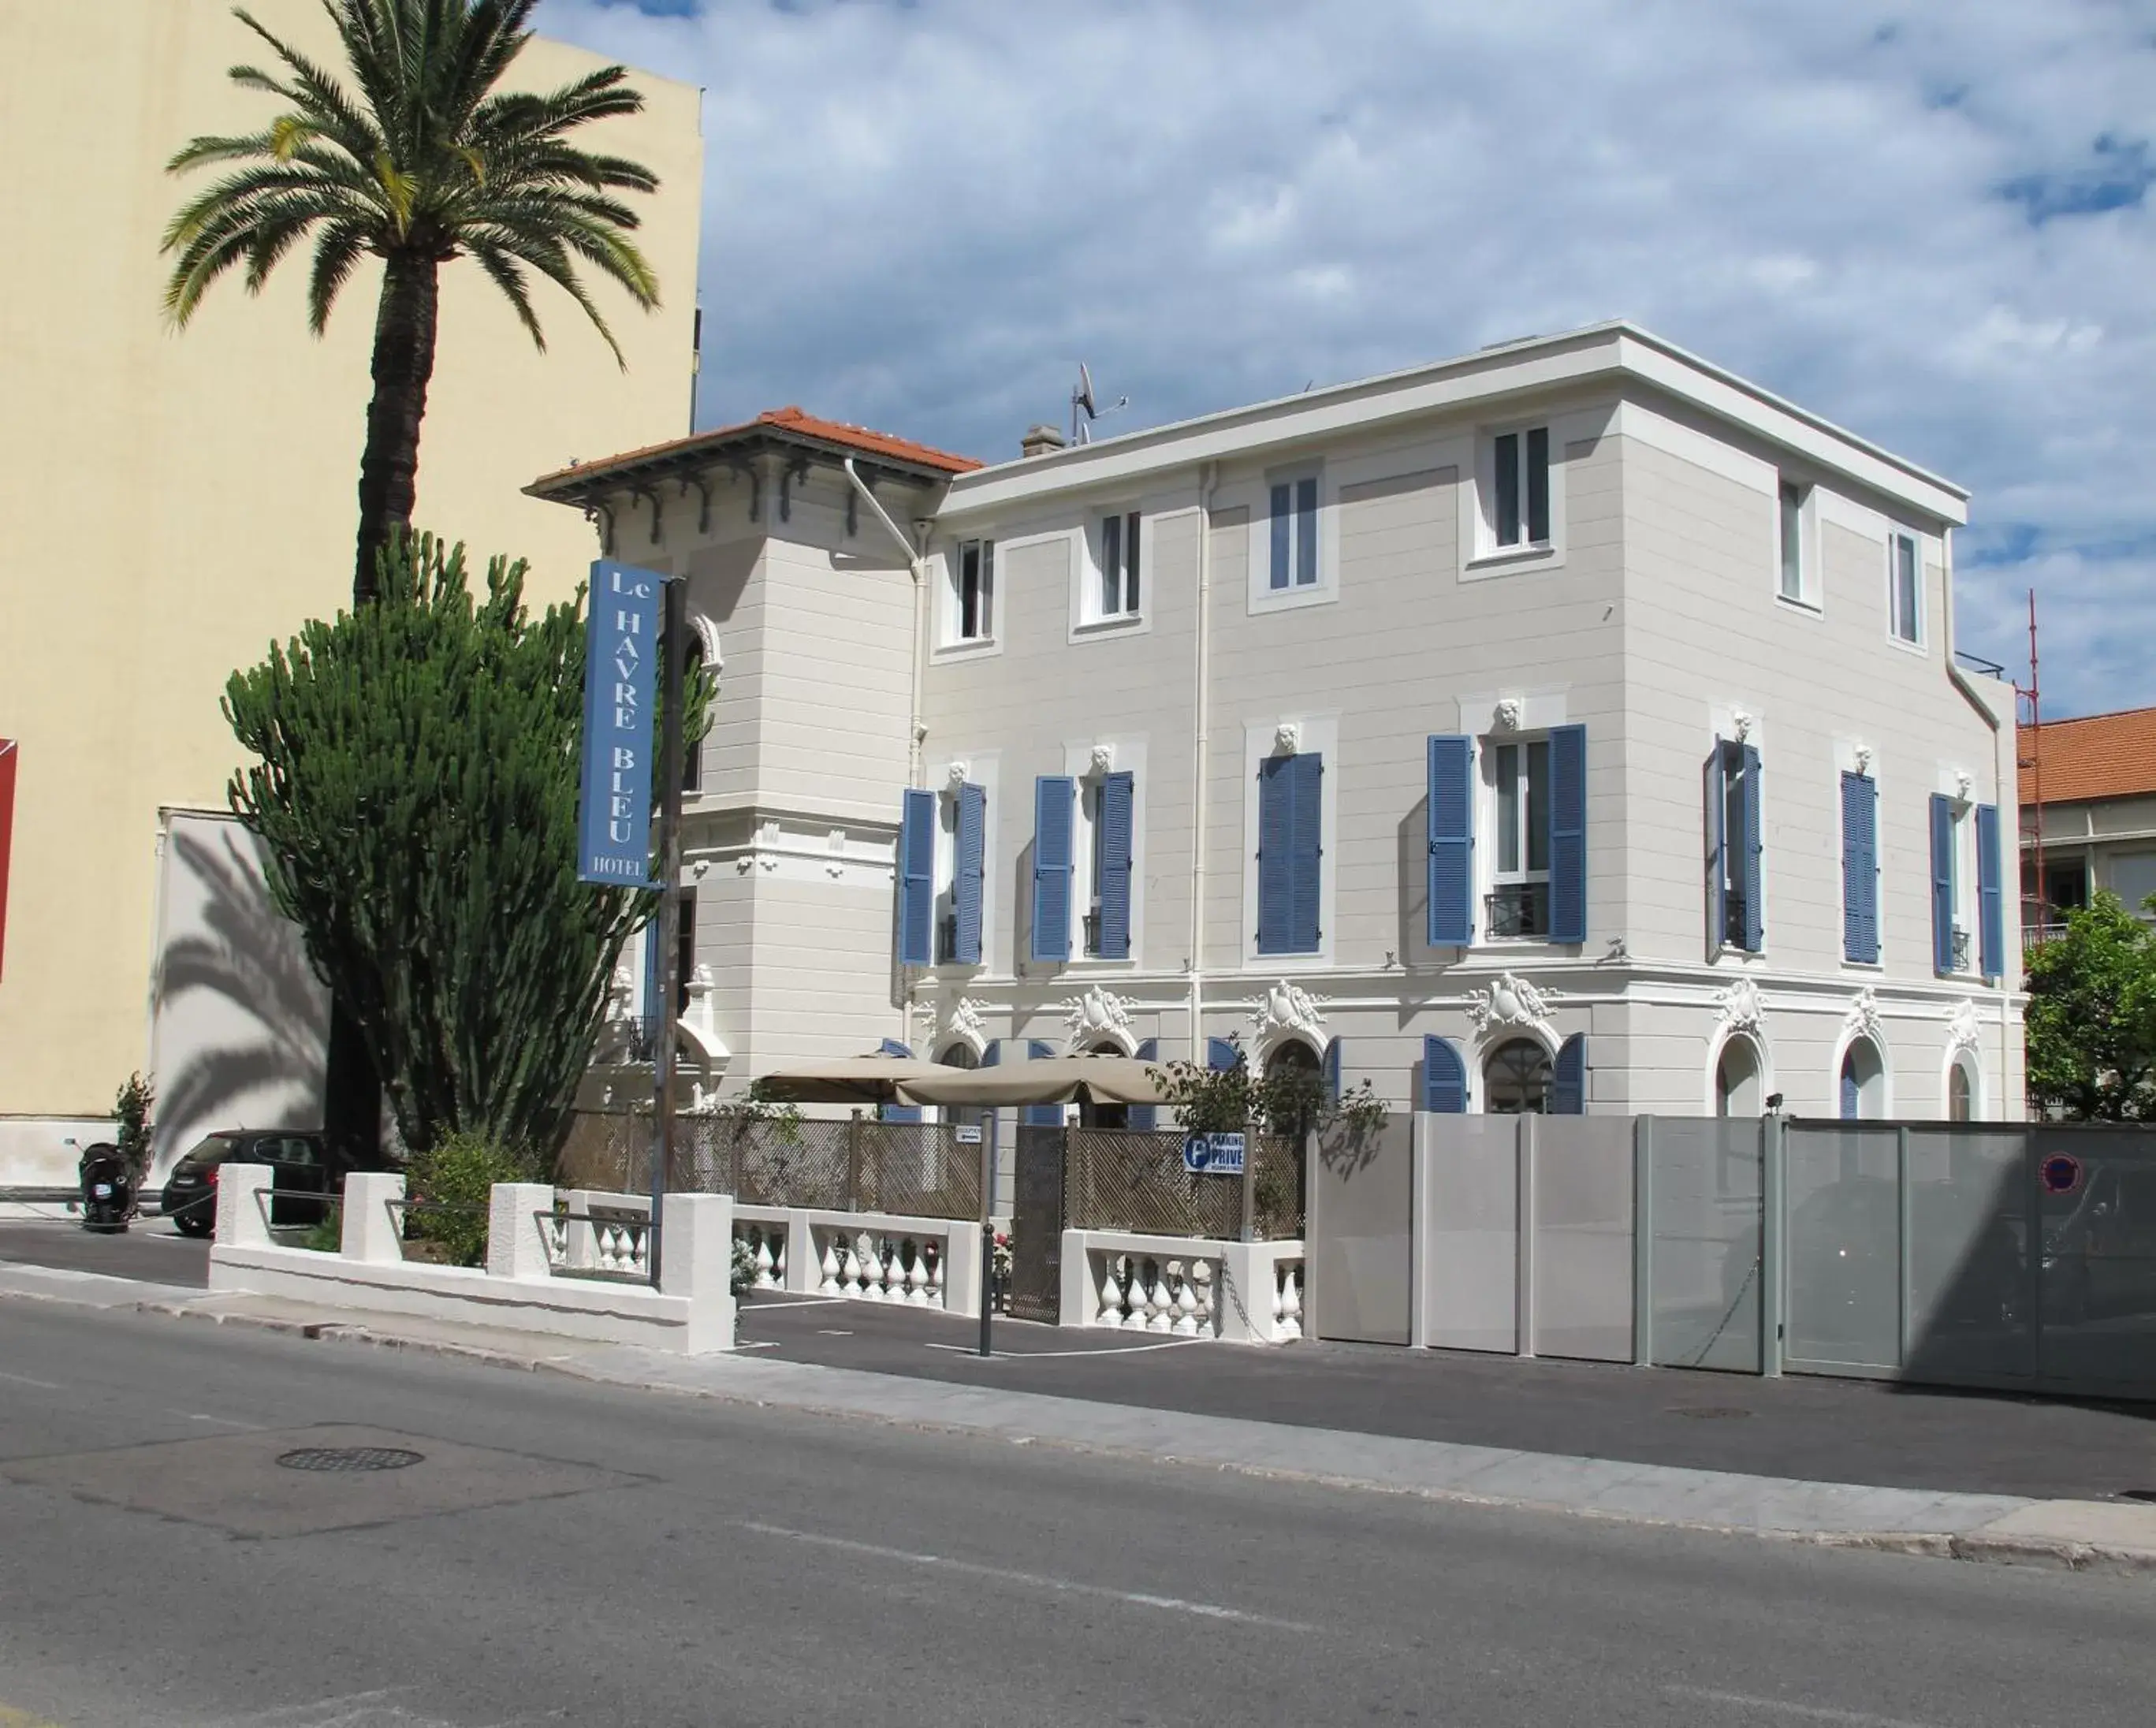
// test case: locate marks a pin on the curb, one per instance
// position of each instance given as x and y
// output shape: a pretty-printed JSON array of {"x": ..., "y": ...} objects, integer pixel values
[{"x": 1972, "y": 1546}]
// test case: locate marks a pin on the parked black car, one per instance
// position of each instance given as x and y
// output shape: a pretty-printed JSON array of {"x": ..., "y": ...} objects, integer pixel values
[{"x": 303, "y": 1167}]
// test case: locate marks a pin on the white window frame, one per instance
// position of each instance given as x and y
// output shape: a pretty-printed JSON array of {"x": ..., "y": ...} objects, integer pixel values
[
  {"x": 1968, "y": 909},
  {"x": 1263, "y": 596},
  {"x": 1481, "y": 556},
  {"x": 983, "y": 769},
  {"x": 1131, "y": 537},
  {"x": 1491, "y": 798},
  {"x": 954, "y": 595},
  {"x": 1809, "y": 595},
  {"x": 1898, "y": 538}
]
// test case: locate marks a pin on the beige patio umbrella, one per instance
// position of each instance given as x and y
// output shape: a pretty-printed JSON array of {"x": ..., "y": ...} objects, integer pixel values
[
  {"x": 1046, "y": 1079},
  {"x": 847, "y": 1079}
]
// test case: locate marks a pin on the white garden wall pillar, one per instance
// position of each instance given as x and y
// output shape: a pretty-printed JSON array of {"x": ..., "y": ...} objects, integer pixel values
[
  {"x": 373, "y": 1225},
  {"x": 1245, "y": 1303},
  {"x": 243, "y": 1209},
  {"x": 516, "y": 1246},
  {"x": 802, "y": 1273},
  {"x": 695, "y": 1261},
  {"x": 963, "y": 1284}
]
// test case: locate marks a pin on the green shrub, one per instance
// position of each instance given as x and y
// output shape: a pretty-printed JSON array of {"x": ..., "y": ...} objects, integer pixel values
[
  {"x": 450, "y": 1185},
  {"x": 327, "y": 1235}
]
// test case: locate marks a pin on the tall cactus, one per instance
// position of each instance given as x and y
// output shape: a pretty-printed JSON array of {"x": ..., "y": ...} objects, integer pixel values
[{"x": 416, "y": 783}]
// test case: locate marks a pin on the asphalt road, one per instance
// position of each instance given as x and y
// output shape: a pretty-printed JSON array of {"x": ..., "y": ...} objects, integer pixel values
[
  {"x": 569, "y": 1553},
  {"x": 149, "y": 1248}
]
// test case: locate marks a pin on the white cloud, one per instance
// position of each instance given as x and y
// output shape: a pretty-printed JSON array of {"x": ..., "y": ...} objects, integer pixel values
[{"x": 1930, "y": 224}]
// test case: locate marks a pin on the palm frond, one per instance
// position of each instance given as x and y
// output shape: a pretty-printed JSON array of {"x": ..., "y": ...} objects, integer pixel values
[
  {"x": 502, "y": 268},
  {"x": 337, "y": 253}
]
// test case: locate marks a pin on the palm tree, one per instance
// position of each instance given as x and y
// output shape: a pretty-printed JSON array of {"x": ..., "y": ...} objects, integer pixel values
[{"x": 428, "y": 163}]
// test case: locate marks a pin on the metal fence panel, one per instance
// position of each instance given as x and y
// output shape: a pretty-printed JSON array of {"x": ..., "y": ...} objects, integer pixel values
[
  {"x": 1971, "y": 1295},
  {"x": 1470, "y": 1232},
  {"x": 2096, "y": 1189},
  {"x": 1705, "y": 1180},
  {"x": 1583, "y": 1243},
  {"x": 1359, "y": 1253},
  {"x": 1844, "y": 1258}
]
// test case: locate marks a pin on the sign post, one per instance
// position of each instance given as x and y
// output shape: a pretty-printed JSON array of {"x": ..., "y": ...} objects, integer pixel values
[{"x": 634, "y": 616}]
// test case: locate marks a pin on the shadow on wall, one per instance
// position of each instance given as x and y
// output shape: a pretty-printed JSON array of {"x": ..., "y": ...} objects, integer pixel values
[{"x": 240, "y": 1022}]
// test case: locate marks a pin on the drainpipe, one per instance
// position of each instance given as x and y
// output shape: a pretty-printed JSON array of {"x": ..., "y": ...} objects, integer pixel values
[
  {"x": 915, "y": 549},
  {"x": 2008, "y": 966},
  {"x": 1201, "y": 708}
]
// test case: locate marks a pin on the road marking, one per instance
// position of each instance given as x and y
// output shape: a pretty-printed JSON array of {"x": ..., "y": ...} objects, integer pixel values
[
  {"x": 221, "y": 1420},
  {"x": 826, "y": 1332},
  {"x": 10, "y": 1717},
  {"x": 767, "y": 1344},
  {"x": 1026, "y": 1356},
  {"x": 1810, "y": 1712},
  {"x": 297, "y": 1713},
  {"x": 1004, "y": 1575},
  {"x": 25, "y": 1380}
]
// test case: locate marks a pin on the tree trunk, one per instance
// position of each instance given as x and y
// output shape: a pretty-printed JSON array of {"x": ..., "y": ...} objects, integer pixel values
[{"x": 403, "y": 364}]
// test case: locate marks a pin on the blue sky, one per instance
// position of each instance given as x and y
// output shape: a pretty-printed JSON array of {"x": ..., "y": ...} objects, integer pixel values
[{"x": 1930, "y": 223}]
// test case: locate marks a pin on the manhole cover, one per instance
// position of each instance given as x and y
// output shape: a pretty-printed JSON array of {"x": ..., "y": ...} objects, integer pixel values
[
  {"x": 1707, "y": 1411},
  {"x": 349, "y": 1458}
]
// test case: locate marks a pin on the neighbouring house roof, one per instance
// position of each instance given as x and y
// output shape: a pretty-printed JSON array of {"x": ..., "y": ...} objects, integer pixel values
[
  {"x": 2101, "y": 756},
  {"x": 787, "y": 430}
]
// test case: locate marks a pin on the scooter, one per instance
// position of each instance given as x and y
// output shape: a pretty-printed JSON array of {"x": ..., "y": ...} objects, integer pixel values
[{"x": 108, "y": 1190}]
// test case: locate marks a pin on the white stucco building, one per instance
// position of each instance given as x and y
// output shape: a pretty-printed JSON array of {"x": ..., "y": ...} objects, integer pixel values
[{"x": 1571, "y": 726}]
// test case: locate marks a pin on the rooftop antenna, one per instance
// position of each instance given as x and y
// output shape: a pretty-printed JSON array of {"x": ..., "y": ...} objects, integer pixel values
[{"x": 1083, "y": 403}]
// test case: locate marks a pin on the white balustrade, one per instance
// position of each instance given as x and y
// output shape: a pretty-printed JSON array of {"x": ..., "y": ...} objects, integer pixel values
[
  {"x": 905, "y": 1267},
  {"x": 767, "y": 1251},
  {"x": 1246, "y": 1292}
]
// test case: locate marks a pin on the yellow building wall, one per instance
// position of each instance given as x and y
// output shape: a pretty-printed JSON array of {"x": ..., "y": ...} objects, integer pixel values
[{"x": 174, "y": 501}]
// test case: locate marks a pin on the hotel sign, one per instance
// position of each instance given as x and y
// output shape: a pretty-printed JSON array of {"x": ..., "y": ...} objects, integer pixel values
[{"x": 621, "y": 687}]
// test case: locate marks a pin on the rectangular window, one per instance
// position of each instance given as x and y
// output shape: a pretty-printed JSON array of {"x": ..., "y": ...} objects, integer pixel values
[
  {"x": 1294, "y": 534},
  {"x": 1860, "y": 870},
  {"x": 1793, "y": 585},
  {"x": 1521, "y": 493},
  {"x": 685, "y": 948},
  {"x": 1520, "y": 898},
  {"x": 973, "y": 587},
  {"x": 1735, "y": 824},
  {"x": 1903, "y": 602},
  {"x": 1117, "y": 597}
]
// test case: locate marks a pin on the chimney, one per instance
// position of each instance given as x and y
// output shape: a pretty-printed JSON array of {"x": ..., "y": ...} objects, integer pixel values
[{"x": 1040, "y": 440}]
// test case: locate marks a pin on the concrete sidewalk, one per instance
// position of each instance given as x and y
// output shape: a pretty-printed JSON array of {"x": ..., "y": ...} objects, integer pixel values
[{"x": 2079, "y": 1535}]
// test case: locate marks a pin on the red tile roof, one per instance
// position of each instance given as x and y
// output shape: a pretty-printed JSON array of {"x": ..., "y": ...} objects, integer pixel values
[
  {"x": 792, "y": 420},
  {"x": 2104, "y": 755}
]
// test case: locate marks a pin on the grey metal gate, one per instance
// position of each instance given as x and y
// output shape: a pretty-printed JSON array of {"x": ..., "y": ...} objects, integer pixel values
[{"x": 1037, "y": 1221}]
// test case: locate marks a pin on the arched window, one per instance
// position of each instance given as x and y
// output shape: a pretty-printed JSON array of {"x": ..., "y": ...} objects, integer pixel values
[
  {"x": 1516, "y": 1080},
  {"x": 958, "y": 1053},
  {"x": 1961, "y": 1091},
  {"x": 1738, "y": 1091},
  {"x": 1104, "y": 1116},
  {"x": 1863, "y": 1082},
  {"x": 1297, "y": 1064}
]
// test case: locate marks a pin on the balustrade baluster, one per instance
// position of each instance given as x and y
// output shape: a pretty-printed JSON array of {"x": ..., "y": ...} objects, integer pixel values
[
  {"x": 916, "y": 1280},
  {"x": 1291, "y": 1311},
  {"x": 833, "y": 1267}
]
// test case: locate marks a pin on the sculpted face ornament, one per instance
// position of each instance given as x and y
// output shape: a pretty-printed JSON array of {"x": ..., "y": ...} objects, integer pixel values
[
  {"x": 957, "y": 774},
  {"x": 1104, "y": 759},
  {"x": 1287, "y": 738},
  {"x": 1507, "y": 716}
]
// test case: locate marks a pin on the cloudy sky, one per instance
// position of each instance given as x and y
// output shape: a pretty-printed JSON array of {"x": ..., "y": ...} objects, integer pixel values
[{"x": 1929, "y": 223}]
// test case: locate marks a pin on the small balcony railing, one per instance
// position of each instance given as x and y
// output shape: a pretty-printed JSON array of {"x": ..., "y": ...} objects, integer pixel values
[
  {"x": 1960, "y": 950},
  {"x": 1517, "y": 909},
  {"x": 1091, "y": 922}
]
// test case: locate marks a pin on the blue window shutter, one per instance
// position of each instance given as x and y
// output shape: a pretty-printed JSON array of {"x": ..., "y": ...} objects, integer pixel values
[
  {"x": 1568, "y": 833},
  {"x": 1040, "y": 1115},
  {"x": 1275, "y": 885},
  {"x": 1282, "y": 504},
  {"x": 1751, "y": 861},
  {"x": 1852, "y": 1099},
  {"x": 1306, "y": 533},
  {"x": 897, "y": 1112},
  {"x": 1053, "y": 796},
  {"x": 1145, "y": 1117},
  {"x": 1568, "y": 1089},
  {"x": 1450, "y": 824},
  {"x": 1306, "y": 851},
  {"x": 1221, "y": 1054},
  {"x": 1991, "y": 905},
  {"x": 1717, "y": 847},
  {"x": 1331, "y": 1071},
  {"x": 1942, "y": 882},
  {"x": 917, "y": 879},
  {"x": 1443, "y": 1077},
  {"x": 966, "y": 894},
  {"x": 1113, "y": 849},
  {"x": 1860, "y": 868}
]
